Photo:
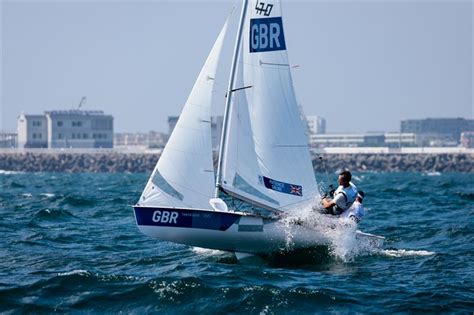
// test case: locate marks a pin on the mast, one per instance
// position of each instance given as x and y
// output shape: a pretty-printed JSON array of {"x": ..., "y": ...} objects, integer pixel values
[{"x": 230, "y": 88}]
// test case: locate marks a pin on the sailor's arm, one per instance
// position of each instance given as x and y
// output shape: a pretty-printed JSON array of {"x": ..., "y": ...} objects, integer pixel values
[{"x": 327, "y": 203}]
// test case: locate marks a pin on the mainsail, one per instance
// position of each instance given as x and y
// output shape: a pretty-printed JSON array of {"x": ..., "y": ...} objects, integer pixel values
[
  {"x": 184, "y": 174},
  {"x": 266, "y": 158}
]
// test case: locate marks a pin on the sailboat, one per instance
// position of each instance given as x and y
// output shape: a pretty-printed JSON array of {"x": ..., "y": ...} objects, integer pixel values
[{"x": 264, "y": 169}]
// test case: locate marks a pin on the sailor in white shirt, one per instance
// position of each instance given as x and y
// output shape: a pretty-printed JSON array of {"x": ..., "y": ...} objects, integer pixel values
[
  {"x": 356, "y": 211},
  {"x": 344, "y": 196}
]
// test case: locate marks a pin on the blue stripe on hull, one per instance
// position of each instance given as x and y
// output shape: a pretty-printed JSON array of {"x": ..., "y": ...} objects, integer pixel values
[{"x": 184, "y": 218}]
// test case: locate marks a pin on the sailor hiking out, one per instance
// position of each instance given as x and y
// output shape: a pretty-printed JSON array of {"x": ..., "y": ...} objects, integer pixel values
[
  {"x": 344, "y": 196},
  {"x": 357, "y": 210}
]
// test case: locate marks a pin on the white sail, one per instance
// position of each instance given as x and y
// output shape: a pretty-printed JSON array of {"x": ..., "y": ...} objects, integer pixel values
[
  {"x": 266, "y": 159},
  {"x": 184, "y": 174}
]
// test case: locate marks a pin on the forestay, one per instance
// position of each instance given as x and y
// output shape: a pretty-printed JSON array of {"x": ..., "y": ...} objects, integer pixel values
[
  {"x": 184, "y": 175},
  {"x": 266, "y": 159}
]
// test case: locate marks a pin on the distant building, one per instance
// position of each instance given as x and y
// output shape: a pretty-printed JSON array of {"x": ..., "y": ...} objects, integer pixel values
[
  {"x": 345, "y": 140},
  {"x": 467, "y": 139},
  {"x": 157, "y": 139},
  {"x": 391, "y": 139},
  {"x": 66, "y": 129},
  {"x": 397, "y": 139},
  {"x": 316, "y": 125},
  {"x": 8, "y": 140},
  {"x": 437, "y": 131},
  {"x": 130, "y": 139},
  {"x": 32, "y": 131},
  {"x": 152, "y": 139}
]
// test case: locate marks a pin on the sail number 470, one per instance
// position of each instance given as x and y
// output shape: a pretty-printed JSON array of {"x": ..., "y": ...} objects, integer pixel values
[{"x": 165, "y": 217}]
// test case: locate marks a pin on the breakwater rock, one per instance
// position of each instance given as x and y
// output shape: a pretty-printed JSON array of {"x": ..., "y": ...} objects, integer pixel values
[
  {"x": 458, "y": 162},
  {"x": 141, "y": 162}
]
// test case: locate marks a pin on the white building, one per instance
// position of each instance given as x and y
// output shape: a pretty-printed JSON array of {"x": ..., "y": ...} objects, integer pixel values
[
  {"x": 316, "y": 125},
  {"x": 66, "y": 129},
  {"x": 32, "y": 131},
  {"x": 397, "y": 139}
]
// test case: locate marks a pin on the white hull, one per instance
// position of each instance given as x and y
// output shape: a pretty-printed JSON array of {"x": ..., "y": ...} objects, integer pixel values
[{"x": 238, "y": 232}]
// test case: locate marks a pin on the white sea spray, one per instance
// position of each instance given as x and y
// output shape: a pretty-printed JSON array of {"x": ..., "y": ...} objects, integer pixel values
[{"x": 339, "y": 234}]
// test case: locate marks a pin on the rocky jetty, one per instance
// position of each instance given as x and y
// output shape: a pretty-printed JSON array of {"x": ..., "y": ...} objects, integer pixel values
[
  {"x": 396, "y": 162},
  {"x": 126, "y": 162}
]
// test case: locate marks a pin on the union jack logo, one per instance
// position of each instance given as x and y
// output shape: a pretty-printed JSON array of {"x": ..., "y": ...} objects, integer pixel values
[{"x": 295, "y": 190}]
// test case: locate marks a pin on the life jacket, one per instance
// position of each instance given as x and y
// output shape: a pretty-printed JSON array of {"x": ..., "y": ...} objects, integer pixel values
[{"x": 349, "y": 193}]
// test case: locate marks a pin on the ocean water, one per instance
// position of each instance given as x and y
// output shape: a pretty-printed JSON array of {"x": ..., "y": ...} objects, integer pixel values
[{"x": 69, "y": 244}]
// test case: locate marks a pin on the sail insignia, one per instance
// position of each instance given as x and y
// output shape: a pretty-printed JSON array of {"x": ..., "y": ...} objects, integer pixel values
[
  {"x": 266, "y": 34},
  {"x": 282, "y": 187}
]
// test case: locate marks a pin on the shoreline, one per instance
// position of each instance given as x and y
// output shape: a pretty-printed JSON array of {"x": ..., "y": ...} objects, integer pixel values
[{"x": 103, "y": 161}]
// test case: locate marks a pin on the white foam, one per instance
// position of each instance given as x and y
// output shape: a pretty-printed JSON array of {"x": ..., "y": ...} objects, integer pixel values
[
  {"x": 405, "y": 252},
  {"x": 48, "y": 195},
  {"x": 4, "y": 172},
  {"x": 80, "y": 272},
  {"x": 432, "y": 173},
  {"x": 28, "y": 195},
  {"x": 207, "y": 251}
]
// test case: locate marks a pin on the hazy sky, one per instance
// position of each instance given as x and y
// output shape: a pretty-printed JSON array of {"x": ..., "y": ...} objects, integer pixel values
[{"x": 364, "y": 65}]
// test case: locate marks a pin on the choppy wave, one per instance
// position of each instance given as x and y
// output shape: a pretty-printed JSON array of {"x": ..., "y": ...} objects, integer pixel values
[
  {"x": 54, "y": 214},
  {"x": 70, "y": 245},
  {"x": 47, "y": 195},
  {"x": 79, "y": 272},
  {"x": 79, "y": 201}
]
